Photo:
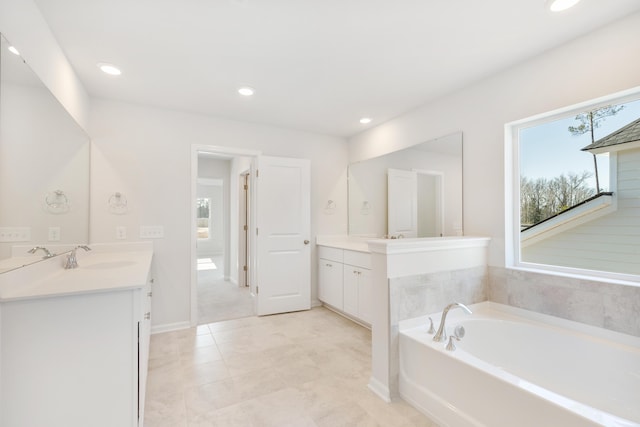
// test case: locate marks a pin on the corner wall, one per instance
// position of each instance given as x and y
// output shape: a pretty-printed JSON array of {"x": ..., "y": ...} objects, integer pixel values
[{"x": 572, "y": 73}]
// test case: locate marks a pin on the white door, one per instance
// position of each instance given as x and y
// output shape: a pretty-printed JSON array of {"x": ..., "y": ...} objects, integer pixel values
[
  {"x": 283, "y": 235},
  {"x": 402, "y": 203}
]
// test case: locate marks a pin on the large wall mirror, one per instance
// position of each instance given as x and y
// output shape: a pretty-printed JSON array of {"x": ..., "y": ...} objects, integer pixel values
[
  {"x": 44, "y": 167},
  {"x": 414, "y": 192}
]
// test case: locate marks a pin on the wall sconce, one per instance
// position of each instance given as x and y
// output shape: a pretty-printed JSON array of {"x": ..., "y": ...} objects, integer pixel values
[
  {"x": 330, "y": 207},
  {"x": 56, "y": 202},
  {"x": 117, "y": 204},
  {"x": 365, "y": 208}
]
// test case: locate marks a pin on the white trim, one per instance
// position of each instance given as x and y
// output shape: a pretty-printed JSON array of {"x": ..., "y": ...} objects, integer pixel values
[
  {"x": 379, "y": 389},
  {"x": 169, "y": 327},
  {"x": 579, "y": 215},
  {"x": 227, "y": 152},
  {"x": 426, "y": 244},
  {"x": 512, "y": 191},
  {"x": 616, "y": 148}
]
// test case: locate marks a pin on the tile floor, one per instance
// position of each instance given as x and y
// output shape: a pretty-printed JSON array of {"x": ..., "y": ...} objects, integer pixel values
[{"x": 305, "y": 369}]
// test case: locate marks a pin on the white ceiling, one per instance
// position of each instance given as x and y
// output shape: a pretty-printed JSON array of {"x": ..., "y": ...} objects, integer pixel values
[{"x": 316, "y": 65}]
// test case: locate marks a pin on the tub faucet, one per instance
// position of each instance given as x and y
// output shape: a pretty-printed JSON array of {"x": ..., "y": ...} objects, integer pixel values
[
  {"x": 72, "y": 261},
  {"x": 441, "y": 334},
  {"x": 47, "y": 253}
]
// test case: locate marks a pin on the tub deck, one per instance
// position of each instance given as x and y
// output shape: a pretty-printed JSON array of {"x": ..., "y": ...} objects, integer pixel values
[{"x": 516, "y": 367}]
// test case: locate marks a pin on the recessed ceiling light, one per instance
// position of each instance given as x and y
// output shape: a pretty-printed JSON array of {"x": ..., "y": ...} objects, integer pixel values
[
  {"x": 560, "y": 5},
  {"x": 365, "y": 120},
  {"x": 246, "y": 91},
  {"x": 109, "y": 69},
  {"x": 14, "y": 50}
]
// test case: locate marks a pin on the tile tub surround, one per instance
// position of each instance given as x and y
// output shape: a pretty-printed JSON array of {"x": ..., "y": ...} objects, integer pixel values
[
  {"x": 415, "y": 296},
  {"x": 605, "y": 305},
  {"x": 419, "y": 295},
  {"x": 304, "y": 369}
]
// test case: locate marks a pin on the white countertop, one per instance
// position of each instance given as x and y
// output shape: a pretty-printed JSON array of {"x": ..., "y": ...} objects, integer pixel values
[
  {"x": 352, "y": 243},
  {"x": 8, "y": 264},
  {"x": 105, "y": 268}
]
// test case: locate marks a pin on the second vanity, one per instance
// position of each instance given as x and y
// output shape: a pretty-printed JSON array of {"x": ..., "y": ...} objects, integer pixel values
[
  {"x": 344, "y": 277},
  {"x": 74, "y": 343}
]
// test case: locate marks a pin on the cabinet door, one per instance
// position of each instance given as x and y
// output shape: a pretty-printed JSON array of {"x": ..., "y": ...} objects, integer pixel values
[
  {"x": 350, "y": 277},
  {"x": 365, "y": 295},
  {"x": 330, "y": 283}
]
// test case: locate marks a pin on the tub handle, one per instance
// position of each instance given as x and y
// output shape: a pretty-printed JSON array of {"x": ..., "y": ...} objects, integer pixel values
[
  {"x": 458, "y": 333},
  {"x": 431, "y": 330},
  {"x": 451, "y": 346}
]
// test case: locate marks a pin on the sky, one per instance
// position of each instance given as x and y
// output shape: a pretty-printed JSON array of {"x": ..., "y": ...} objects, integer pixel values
[{"x": 549, "y": 150}]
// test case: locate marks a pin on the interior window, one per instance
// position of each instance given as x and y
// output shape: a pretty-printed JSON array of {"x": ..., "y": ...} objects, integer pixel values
[
  {"x": 203, "y": 217},
  {"x": 576, "y": 189}
]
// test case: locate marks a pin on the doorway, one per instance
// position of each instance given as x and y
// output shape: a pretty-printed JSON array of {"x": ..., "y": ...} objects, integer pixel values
[
  {"x": 218, "y": 291},
  {"x": 278, "y": 238}
]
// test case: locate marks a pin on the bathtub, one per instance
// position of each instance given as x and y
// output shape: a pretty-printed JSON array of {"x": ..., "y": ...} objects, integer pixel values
[{"x": 518, "y": 368}]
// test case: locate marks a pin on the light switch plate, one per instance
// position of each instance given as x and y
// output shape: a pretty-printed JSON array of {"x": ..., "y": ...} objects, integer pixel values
[
  {"x": 151, "y": 232},
  {"x": 15, "y": 234}
]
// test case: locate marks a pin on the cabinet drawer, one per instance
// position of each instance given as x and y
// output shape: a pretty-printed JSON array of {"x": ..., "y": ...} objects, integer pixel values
[
  {"x": 359, "y": 259},
  {"x": 333, "y": 254}
]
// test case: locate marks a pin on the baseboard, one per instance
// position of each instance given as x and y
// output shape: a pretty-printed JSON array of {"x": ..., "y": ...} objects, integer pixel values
[
  {"x": 379, "y": 389},
  {"x": 168, "y": 327}
]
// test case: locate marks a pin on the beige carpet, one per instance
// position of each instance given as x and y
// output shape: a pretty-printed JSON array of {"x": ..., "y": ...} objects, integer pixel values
[{"x": 219, "y": 299}]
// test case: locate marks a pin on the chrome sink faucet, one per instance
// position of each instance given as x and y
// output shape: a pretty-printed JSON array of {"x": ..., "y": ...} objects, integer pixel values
[
  {"x": 441, "y": 334},
  {"x": 72, "y": 261},
  {"x": 47, "y": 253}
]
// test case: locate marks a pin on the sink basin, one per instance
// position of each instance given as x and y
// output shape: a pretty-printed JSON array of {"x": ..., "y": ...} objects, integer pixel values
[{"x": 108, "y": 265}]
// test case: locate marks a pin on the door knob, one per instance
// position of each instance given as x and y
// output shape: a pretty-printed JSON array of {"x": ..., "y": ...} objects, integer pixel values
[{"x": 306, "y": 242}]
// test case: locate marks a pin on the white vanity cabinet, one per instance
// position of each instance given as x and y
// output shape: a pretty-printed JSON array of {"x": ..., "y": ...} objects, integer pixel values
[
  {"x": 345, "y": 282},
  {"x": 75, "y": 360},
  {"x": 330, "y": 277},
  {"x": 78, "y": 357}
]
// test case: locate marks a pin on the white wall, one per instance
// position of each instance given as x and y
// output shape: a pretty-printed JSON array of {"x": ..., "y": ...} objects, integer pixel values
[
  {"x": 146, "y": 154},
  {"x": 597, "y": 64}
]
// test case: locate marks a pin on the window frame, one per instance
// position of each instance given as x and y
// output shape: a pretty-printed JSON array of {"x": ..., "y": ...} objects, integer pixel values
[{"x": 512, "y": 192}]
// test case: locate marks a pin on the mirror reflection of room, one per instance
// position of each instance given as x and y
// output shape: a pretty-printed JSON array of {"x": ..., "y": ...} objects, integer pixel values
[
  {"x": 418, "y": 188},
  {"x": 43, "y": 149}
]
